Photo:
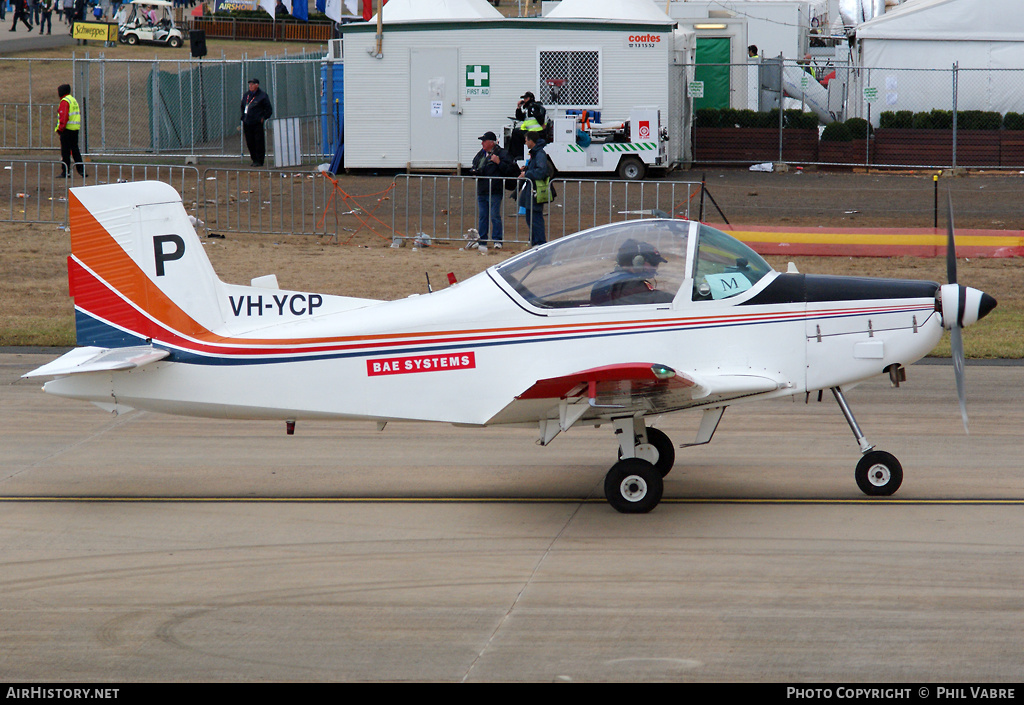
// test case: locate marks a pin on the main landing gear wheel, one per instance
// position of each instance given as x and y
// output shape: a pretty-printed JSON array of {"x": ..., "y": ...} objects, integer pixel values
[
  {"x": 633, "y": 486},
  {"x": 879, "y": 474},
  {"x": 663, "y": 446}
]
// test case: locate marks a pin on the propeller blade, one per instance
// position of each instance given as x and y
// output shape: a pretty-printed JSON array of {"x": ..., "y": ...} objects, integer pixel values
[
  {"x": 956, "y": 343},
  {"x": 950, "y": 244}
]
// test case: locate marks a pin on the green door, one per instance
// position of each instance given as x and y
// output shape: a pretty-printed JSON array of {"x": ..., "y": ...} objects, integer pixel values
[{"x": 713, "y": 50}]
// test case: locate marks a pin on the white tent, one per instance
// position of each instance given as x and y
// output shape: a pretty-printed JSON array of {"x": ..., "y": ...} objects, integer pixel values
[
  {"x": 609, "y": 10},
  {"x": 440, "y": 10},
  {"x": 980, "y": 36},
  {"x": 961, "y": 21}
]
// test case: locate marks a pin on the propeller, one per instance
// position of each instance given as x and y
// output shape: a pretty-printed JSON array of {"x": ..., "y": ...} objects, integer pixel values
[{"x": 961, "y": 306}]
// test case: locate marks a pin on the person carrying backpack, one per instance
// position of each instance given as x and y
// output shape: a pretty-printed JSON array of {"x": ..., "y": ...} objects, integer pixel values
[{"x": 538, "y": 171}]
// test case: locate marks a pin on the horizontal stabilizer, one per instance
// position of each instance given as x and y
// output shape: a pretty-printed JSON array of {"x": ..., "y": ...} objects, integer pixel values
[{"x": 95, "y": 359}]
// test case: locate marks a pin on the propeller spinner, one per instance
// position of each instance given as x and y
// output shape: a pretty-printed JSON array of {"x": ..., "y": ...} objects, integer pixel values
[{"x": 960, "y": 307}]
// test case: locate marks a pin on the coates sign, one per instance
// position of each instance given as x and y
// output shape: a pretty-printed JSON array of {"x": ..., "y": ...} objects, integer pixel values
[{"x": 643, "y": 40}]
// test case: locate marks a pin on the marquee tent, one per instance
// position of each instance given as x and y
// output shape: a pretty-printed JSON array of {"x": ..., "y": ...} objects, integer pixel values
[
  {"x": 984, "y": 38},
  {"x": 439, "y": 10},
  {"x": 609, "y": 10}
]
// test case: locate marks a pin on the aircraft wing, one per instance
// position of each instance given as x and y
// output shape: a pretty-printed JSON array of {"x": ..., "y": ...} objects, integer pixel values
[
  {"x": 95, "y": 359},
  {"x": 645, "y": 386}
]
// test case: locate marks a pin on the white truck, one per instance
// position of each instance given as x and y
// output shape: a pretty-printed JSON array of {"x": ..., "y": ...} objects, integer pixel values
[{"x": 630, "y": 149}]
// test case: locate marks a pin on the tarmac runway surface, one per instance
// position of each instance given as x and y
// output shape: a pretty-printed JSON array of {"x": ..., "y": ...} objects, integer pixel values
[{"x": 148, "y": 548}]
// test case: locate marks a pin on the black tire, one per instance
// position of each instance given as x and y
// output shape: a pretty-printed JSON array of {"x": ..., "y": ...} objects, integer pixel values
[
  {"x": 631, "y": 168},
  {"x": 633, "y": 486},
  {"x": 132, "y": 39},
  {"x": 879, "y": 474},
  {"x": 175, "y": 42},
  {"x": 666, "y": 451}
]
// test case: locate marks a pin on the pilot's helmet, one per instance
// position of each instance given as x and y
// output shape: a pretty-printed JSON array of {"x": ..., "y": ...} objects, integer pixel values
[{"x": 638, "y": 254}]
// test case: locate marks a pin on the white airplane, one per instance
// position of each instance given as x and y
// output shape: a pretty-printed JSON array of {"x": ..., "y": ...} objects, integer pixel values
[{"x": 611, "y": 325}]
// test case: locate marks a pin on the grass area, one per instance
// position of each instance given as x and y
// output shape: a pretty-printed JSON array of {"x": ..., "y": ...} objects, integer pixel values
[
  {"x": 999, "y": 336},
  {"x": 37, "y": 331}
]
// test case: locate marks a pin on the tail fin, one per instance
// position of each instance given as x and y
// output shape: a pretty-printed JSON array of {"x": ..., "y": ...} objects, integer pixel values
[{"x": 137, "y": 267}]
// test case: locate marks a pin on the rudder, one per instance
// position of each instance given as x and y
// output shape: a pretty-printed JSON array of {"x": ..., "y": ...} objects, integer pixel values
[{"x": 137, "y": 268}]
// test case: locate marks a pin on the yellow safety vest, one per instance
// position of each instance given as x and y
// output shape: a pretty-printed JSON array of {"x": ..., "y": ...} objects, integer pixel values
[
  {"x": 531, "y": 125},
  {"x": 74, "y": 114}
]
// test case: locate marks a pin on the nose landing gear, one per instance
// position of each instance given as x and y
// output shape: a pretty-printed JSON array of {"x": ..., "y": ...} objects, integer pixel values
[{"x": 878, "y": 474}]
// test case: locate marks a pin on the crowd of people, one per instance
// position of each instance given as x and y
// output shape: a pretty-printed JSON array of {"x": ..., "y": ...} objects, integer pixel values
[
  {"x": 532, "y": 187},
  {"x": 39, "y": 13}
]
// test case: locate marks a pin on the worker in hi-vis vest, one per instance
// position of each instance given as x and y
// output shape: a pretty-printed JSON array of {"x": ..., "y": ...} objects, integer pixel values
[{"x": 69, "y": 124}]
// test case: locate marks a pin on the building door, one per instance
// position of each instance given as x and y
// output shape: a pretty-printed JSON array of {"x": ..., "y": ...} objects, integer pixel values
[
  {"x": 434, "y": 101},
  {"x": 712, "y": 67}
]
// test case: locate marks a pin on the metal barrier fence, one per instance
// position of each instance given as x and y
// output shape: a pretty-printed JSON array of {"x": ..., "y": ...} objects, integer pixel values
[
  {"x": 445, "y": 208},
  {"x": 252, "y": 201},
  {"x": 136, "y": 107},
  {"x": 32, "y": 191},
  {"x": 30, "y": 126}
]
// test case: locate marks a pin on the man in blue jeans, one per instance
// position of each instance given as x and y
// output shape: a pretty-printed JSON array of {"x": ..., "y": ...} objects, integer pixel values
[
  {"x": 538, "y": 172},
  {"x": 490, "y": 162}
]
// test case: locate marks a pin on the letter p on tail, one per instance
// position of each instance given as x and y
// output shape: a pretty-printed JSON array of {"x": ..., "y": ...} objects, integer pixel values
[{"x": 137, "y": 269}]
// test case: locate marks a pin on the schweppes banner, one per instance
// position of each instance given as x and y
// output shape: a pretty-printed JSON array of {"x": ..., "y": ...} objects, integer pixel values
[{"x": 97, "y": 31}]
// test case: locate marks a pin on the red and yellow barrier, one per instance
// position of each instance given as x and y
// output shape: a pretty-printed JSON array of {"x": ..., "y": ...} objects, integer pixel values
[{"x": 876, "y": 242}]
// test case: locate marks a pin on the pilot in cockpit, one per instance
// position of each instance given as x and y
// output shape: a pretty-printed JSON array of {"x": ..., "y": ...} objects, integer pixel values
[{"x": 633, "y": 281}]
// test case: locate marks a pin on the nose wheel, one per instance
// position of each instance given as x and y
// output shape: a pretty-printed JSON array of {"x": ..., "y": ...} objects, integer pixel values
[{"x": 879, "y": 474}]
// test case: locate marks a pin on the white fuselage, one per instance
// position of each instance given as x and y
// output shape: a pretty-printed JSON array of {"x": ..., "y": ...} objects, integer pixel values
[{"x": 460, "y": 355}]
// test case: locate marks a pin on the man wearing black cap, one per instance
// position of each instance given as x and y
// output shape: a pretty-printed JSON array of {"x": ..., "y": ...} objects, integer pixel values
[
  {"x": 256, "y": 109},
  {"x": 491, "y": 162},
  {"x": 532, "y": 115},
  {"x": 528, "y": 107}
]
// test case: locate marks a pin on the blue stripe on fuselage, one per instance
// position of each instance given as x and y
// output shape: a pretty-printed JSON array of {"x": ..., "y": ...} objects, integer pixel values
[{"x": 107, "y": 335}]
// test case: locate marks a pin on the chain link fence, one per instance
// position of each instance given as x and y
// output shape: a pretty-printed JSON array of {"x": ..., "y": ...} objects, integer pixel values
[
  {"x": 143, "y": 108},
  {"x": 921, "y": 118}
]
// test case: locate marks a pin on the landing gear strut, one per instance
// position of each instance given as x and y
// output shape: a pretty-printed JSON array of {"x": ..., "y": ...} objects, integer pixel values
[{"x": 878, "y": 474}]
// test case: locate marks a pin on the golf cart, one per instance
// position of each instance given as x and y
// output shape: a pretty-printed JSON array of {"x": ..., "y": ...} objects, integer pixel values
[{"x": 149, "y": 22}]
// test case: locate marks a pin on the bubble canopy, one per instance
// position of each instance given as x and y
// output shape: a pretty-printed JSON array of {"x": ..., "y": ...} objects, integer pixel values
[{"x": 636, "y": 262}]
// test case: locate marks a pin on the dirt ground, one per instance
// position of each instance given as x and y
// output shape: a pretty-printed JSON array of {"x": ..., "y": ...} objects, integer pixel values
[{"x": 35, "y": 308}]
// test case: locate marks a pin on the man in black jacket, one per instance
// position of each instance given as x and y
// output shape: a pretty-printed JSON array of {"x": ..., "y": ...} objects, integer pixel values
[
  {"x": 533, "y": 116},
  {"x": 491, "y": 161},
  {"x": 256, "y": 109}
]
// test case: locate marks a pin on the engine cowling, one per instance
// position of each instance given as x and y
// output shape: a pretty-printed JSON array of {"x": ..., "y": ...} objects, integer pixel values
[{"x": 962, "y": 305}]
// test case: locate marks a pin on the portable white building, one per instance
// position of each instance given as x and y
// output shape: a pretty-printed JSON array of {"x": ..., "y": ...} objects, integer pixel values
[
  {"x": 423, "y": 97},
  {"x": 984, "y": 38}
]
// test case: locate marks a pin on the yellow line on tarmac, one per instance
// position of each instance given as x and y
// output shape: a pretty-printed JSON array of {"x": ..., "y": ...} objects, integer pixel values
[{"x": 878, "y": 501}]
